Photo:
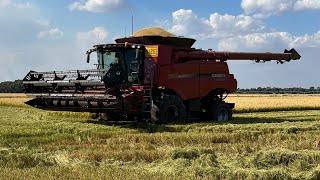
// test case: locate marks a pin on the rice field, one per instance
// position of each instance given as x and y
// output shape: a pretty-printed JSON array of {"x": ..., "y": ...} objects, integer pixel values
[
  {"x": 267, "y": 139},
  {"x": 14, "y": 99},
  {"x": 258, "y": 103}
]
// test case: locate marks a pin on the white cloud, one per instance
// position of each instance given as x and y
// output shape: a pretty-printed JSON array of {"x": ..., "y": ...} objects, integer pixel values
[
  {"x": 21, "y": 23},
  {"x": 19, "y": 43},
  {"x": 266, "y": 8},
  {"x": 98, "y": 6},
  {"x": 273, "y": 41},
  {"x": 54, "y": 33},
  {"x": 307, "y": 4},
  {"x": 186, "y": 23},
  {"x": 26, "y": 5},
  {"x": 4, "y": 3},
  {"x": 10, "y": 3},
  {"x": 235, "y": 24},
  {"x": 302, "y": 73},
  {"x": 95, "y": 36},
  {"x": 256, "y": 42}
]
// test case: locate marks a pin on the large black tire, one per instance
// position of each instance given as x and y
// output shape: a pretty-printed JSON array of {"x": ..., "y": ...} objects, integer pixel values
[
  {"x": 169, "y": 110},
  {"x": 219, "y": 111}
]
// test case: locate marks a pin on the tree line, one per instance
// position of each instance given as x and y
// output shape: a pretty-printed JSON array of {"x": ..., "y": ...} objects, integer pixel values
[
  {"x": 17, "y": 87},
  {"x": 11, "y": 87},
  {"x": 276, "y": 90}
]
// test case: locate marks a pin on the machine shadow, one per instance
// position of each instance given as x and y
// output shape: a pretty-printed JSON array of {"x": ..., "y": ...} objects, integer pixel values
[
  {"x": 279, "y": 119},
  {"x": 183, "y": 127},
  {"x": 238, "y": 120},
  {"x": 141, "y": 126}
]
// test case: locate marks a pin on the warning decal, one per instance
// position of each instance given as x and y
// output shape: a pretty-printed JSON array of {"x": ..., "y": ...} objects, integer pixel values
[{"x": 151, "y": 51}]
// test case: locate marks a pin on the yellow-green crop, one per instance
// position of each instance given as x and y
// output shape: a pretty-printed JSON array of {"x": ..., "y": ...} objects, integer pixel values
[{"x": 36, "y": 144}]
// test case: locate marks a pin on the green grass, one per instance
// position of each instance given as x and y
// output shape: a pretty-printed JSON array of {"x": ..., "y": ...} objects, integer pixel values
[{"x": 36, "y": 144}]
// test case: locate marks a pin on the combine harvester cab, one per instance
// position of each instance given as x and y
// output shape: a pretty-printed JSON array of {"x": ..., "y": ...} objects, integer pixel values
[
  {"x": 152, "y": 75},
  {"x": 107, "y": 88}
]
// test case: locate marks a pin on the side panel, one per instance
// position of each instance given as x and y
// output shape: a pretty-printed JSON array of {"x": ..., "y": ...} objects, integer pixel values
[
  {"x": 215, "y": 75},
  {"x": 165, "y": 55},
  {"x": 183, "y": 78}
]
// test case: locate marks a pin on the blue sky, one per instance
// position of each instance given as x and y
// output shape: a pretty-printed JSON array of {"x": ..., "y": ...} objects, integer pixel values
[{"x": 54, "y": 35}]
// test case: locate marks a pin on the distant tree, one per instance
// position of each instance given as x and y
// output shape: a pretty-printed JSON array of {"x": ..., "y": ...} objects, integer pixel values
[{"x": 11, "y": 87}]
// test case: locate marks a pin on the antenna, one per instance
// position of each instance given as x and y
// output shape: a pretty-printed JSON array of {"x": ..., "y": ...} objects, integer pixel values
[
  {"x": 125, "y": 31},
  {"x": 132, "y": 24}
]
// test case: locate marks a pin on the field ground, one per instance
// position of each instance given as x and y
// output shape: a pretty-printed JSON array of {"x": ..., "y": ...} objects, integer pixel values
[{"x": 274, "y": 144}]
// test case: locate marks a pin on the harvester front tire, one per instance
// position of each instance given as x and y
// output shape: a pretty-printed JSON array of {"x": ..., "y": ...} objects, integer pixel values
[
  {"x": 219, "y": 111},
  {"x": 169, "y": 110}
]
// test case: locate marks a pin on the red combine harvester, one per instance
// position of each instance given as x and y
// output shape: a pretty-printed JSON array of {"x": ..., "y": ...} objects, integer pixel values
[{"x": 152, "y": 75}]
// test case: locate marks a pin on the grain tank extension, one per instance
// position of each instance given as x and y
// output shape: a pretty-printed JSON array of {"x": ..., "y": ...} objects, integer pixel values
[{"x": 152, "y": 75}]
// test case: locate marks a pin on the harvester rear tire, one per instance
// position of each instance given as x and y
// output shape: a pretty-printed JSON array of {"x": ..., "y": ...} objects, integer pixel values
[
  {"x": 169, "y": 110},
  {"x": 219, "y": 111}
]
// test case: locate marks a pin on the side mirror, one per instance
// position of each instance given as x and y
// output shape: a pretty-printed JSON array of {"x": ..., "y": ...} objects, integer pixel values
[{"x": 88, "y": 56}]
